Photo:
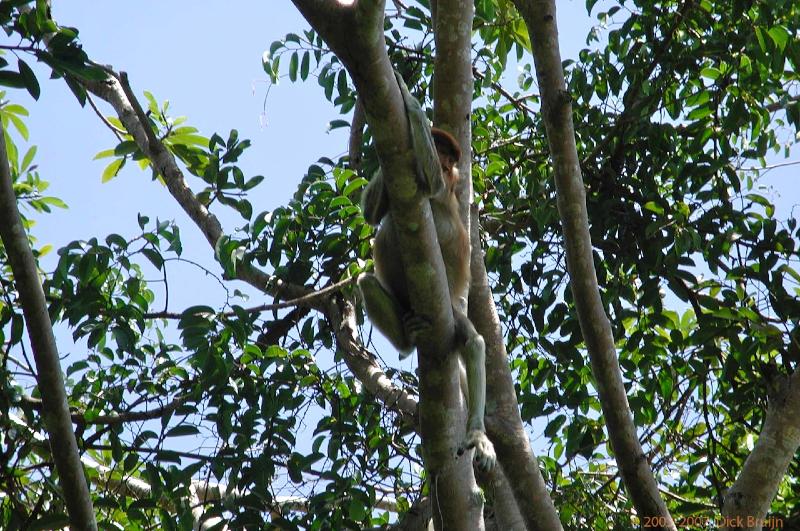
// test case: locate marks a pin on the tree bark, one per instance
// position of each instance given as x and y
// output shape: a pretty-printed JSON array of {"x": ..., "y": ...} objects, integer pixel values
[
  {"x": 453, "y": 90},
  {"x": 540, "y": 18},
  {"x": 503, "y": 421},
  {"x": 57, "y": 419},
  {"x": 747, "y": 502}
]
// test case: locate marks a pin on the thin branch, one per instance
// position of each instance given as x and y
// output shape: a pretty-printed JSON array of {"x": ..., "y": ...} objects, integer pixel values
[
  {"x": 518, "y": 102},
  {"x": 779, "y": 105},
  {"x": 357, "y": 135},
  {"x": 770, "y": 166},
  {"x": 637, "y": 473},
  {"x": 116, "y": 418}
]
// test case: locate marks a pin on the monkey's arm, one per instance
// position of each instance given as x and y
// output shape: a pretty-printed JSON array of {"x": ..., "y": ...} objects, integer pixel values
[
  {"x": 429, "y": 172},
  {"x": 374, "y": 200}
]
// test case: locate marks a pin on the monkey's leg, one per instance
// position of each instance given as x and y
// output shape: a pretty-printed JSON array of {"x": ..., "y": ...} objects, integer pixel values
[
  {"x": 385, "y": 313},
  {"x": 473, "y": 352}
]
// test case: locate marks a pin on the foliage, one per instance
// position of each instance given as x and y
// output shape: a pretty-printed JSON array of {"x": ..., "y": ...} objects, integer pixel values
[{"x": 676, "y": 117}]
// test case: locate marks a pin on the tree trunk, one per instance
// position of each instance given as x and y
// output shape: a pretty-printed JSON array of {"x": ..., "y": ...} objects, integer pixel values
[
  {"x": 354, "y": 32},
  {"x": 540, "y": 17},
  {"x": 747, "y": 502}
]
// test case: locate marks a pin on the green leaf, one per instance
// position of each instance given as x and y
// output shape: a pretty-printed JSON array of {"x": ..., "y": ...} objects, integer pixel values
[
  {"x": 760, "y": 38},
  {"x": 182, "y": 430},
  {"x": 31, "y": 83},
  {"x": 19, "y": 125},
  {"x": 253, "y": 182},
  {"x": 245, "y": 208},
  {"x": 152, "y": 104},
  {"x": 304, "y": 66},
  {"x": 789, "y": 271},
  {"x": 189, "y": 140},
  {"x": 293, "y": 62},
  {"x": 77, "y": 90},
  {"x": 16, "y": 109},
  {"x": 337, "y": 124},
  {"x": 125, "y": 147},
  {"x": 112, "y": 170},
  {"x": 104, "y": 154},
  {"x": 154, "y": 257},
  {"x": 780, "y": 36},
  {"x": 554, "y": 425},
  {"x": 17, "y": 328},
  {"x": 652, "y": 206},
  {"x": 28, "y": 158},
  {"x": 9, "y": 78},
  {"x": 700, "y": 113},
  {"x": 357, "y": 510},
  {"x": 355, "y": 184},
  {"x": 341, "y": 83},
  {"x": 710, "y": 73},
  {"x": 54, "y": 201}
]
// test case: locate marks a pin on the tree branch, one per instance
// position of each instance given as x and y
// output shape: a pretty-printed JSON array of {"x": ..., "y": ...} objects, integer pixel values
[
  {"x": 361, "y": 362},
  {"x": 356, "y": 135},
  {"x": 50, "y": 380},
  {"x": 503, "y": 421},
  {"x": 354, "y": 33},
  {"x": 307, "y": 300}
]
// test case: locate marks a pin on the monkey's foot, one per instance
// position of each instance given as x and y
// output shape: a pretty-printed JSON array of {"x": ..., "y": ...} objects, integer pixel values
[
  {"x": 414, "y": 325},
  {"x": 485, "y": 457}
]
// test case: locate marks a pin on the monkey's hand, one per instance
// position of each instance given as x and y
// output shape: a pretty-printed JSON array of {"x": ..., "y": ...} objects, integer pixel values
[
  {"x": 484, "y": 450},
  {"x": 414, "y": 326}
]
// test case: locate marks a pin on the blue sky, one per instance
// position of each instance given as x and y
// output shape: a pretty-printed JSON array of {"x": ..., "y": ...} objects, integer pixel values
[
  {"x": 206, "y": 60},
  {"x": 205, "y": 57}
]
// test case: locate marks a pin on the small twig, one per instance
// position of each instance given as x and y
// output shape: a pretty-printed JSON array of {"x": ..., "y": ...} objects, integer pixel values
[
  {"x": 519, "y": 103},
  {"x": 119, "y": 133},
  {"x": 777, "y": 106},
  {"x": 299, "y": 301}
]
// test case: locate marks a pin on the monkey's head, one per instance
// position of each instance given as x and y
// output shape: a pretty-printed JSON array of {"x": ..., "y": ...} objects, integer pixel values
[{"x": 449, "y": 154}]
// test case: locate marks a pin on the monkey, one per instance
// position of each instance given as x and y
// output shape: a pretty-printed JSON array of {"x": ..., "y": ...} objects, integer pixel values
[
  {"x": 400, "y": 326},
  {"x": 385, "y": 293}
]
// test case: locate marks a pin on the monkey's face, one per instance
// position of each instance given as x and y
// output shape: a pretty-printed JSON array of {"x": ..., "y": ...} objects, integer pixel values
[{"x": 449, "y": 171}]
